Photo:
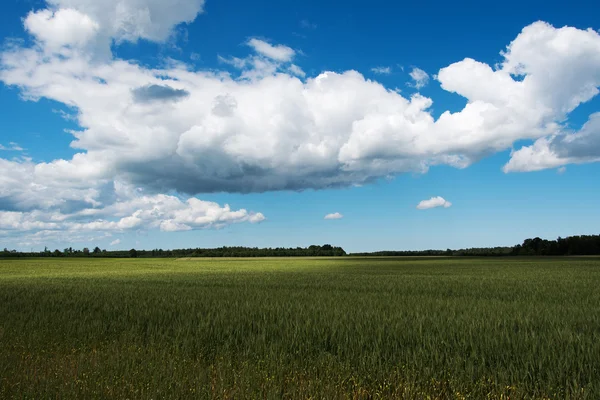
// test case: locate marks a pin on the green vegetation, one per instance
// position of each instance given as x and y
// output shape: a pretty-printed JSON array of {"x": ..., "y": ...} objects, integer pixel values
[
  {"x": 570, "y": 246},
  {"x": 299, "y": 328},
  {"x": 584, "y": 245},
  {"x": 326, "y": 250}
]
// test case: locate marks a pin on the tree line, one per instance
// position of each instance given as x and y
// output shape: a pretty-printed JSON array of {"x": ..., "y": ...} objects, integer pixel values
[
  {"x": 585, "y": 245},
  {"x": 326, "y": 250},
  {"x": 572, "y": 245}
]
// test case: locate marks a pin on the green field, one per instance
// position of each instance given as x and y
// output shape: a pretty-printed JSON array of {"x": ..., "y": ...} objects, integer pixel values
[{"x": 300, "y": 328}]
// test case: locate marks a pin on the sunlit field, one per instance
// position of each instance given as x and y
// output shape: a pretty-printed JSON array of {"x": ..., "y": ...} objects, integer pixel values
[{"x": 300, "y": 328}]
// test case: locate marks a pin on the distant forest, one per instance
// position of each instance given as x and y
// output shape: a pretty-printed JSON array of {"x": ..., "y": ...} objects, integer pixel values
[
  {"x": 569, "y": 246},
  {"x": 311, "y": 251}
]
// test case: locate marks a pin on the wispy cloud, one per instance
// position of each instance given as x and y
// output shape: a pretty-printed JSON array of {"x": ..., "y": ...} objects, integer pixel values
[
  {"x": 276, "y": 52},
  {"x": 296, "y": 70},
  {"x": 12, "y": 146},
  {"x": 306, "y": 24},
  {"x": 420, "y": 78},
  {"x": 382, "y": 70}
]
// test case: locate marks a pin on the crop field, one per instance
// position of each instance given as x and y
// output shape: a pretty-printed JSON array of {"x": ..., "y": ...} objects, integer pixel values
[{"x": 438, "y": 328}]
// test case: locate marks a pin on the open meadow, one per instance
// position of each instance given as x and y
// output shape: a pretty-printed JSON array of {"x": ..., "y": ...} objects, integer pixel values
[{"x": 332, "y": 328}]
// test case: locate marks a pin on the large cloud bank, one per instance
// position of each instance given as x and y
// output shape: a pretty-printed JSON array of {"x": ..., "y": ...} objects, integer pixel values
[{"x": 268, "y": 126}]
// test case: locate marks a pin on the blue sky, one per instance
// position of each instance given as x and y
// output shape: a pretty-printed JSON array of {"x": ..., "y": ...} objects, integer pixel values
[{"x": 131, "y": 124}]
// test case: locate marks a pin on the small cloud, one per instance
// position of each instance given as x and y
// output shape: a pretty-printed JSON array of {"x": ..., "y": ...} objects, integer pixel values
[
  {"x": 236, "y": 62},
  {"x": 278, "y": 52},
  {"x": 381, "y": 70},
  {"x": 150, "y": 93},
  {"x": 433, "y": 203},
  {"x": 306, "y": 24},
  {"x": 256, "y": 218},
  {"x": 296, "y": 70},
  {"x": 115, "y": 242},
  {"x": 420, "y": 78},
  {"x": 65, "y": 115},
  {"x": 12, "y": 146},
  {"x": 195, "y": 57},
  {"x": 561, "y": 170},
  {"x": 336, "y": 215}
]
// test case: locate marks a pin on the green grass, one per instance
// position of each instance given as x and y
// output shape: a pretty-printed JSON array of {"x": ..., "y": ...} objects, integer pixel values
[{"x": 300, "y": 328}]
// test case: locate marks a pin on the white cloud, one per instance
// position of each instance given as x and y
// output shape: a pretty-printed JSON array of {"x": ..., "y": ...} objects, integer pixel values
[
  {"x": 381, "y": 70},
  {"x": 130, "y": 20},
  {"x": 12, "y": 146},
  {"x": 278, "y": 52},
  {"x": 177, "y": 129},
  {"x": 125, "y": 208},
  {"x": 115, "y": 242},
  {"x": 336, "y": 215},
  {"x": 420, "y": 78},
  {"x": 268, "y": 130},
  {"x": 62, "y": 27},
  {"x": 433, "y": 203},
  {"x": 296, "y": 70},
  {"x": 559, "y": 149},
  {"x": 267, "y": 61}
]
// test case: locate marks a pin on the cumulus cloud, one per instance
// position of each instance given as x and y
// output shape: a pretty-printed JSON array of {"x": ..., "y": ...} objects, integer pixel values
[
  {"x": 129, "y": 20},
  {"x": 336, "y": 215},
  {"x": 62, "y": 27},
  {"x": 381, "y": 70},
  {"x": 265, "y": 126},
  {"x": 420, "y": 78},
  {"x": 433, "y": 203},
  {"x": 278, "y": 52},
  {"x": 268, "y": 130},
  {"x": 115, "y": 242},
  {"x": 560, "y": 149},
  {"x": 124, "y": 208}
]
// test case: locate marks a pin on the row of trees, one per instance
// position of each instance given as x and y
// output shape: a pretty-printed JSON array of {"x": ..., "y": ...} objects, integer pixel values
[
  {"x": 570, "y": 246},
  {"x": 326, "y": 250},
  {"x": 573, "y": 245},
  {"x": 475, "y": 251}
]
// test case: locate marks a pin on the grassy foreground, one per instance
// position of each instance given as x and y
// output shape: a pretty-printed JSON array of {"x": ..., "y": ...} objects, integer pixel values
[{"x": 300, "y": 328}]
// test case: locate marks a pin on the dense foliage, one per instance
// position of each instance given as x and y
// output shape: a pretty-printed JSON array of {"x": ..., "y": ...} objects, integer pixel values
[
  {"x": 337, "y": 328},
  {"x": 478, "y": 252},
  {"x": 326, "y": 250},
  {"x": 573, "y": 245},
  {"x": 570, "y": 246}
]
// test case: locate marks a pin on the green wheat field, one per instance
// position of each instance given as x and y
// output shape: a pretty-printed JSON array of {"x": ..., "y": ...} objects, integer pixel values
[{"x": 343, "y": 328}]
